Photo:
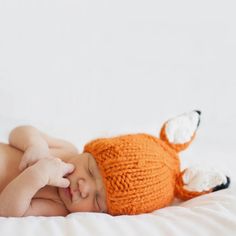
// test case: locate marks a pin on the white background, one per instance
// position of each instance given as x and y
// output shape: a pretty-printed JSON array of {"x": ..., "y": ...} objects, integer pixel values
[{"x": 84, "y": 69}]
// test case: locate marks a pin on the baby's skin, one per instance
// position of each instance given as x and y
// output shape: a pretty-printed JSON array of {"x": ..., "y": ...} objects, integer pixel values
[{"x": 45, "y": 176}]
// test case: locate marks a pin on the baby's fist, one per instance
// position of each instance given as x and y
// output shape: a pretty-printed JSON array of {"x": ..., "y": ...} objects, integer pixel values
[{"x": 54, "y": 170}]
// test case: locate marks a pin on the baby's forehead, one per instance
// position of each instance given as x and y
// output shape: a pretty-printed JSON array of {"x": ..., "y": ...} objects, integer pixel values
[
  {"x": 90, "y": 160},
  {"x": 87, "y": 154},
  {"x": 88, "y": 157}
]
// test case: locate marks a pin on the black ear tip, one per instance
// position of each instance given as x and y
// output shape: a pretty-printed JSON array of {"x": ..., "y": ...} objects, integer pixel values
[
  {"x": 222, "y": 186},
  {"x": 199, "y": 112},
  {"x": 199, "y": 119}
]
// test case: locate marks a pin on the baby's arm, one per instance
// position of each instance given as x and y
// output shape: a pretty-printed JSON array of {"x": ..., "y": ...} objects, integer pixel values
[
  {"x": 16, "y": 197},
  {"x": 36, "y": 144},
  {"x": 24, "y": 136}
]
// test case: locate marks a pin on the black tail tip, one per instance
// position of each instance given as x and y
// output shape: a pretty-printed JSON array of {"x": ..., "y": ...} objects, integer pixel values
[{"x": 222, "y": 186}]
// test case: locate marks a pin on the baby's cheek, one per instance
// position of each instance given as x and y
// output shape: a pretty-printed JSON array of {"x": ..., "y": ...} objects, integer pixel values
[{"x": 82, "y": 206}]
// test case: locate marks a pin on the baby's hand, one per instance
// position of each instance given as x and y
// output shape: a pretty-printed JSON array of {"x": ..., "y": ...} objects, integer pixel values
[
  {"x": 52, "y": 170},
  {"x": 32, "y": 155}
]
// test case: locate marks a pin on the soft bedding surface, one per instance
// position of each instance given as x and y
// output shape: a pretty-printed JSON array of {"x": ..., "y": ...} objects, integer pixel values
[{"x": 214, "y": 214}]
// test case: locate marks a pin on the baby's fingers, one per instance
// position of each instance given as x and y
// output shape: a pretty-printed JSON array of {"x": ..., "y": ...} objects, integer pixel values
[
  {"x": 23, "y": 165},
  {"x": 68, "y": 168},
  {"x": 63, "y": 183}
]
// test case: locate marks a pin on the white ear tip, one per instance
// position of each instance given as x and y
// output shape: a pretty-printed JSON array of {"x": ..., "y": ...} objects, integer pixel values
[
  {"x": 204, "y": 179},
  {"x": 180, "y": 129}
]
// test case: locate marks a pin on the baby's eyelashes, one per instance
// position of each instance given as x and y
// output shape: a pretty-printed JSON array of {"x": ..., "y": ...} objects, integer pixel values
[{"x": 90, "y": 172}]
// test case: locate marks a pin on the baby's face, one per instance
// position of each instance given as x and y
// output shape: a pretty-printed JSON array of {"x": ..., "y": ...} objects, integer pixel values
[{"x": 86, "y": 191}]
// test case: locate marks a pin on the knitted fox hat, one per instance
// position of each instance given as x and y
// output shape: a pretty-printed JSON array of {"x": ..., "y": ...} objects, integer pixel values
[{"x": 141, "y": 172}]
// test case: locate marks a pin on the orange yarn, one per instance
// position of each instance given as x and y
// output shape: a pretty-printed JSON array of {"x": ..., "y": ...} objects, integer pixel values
[
  {"x": 182, "y": 193},
  {"x": 176, "y": 147},
  {"x": 139, "y": 172}
]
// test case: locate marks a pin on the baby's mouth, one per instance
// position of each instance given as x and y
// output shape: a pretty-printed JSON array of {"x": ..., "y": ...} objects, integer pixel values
[
  {"x": 68, "y": 193},
  {"x": 71, "y": 195}
]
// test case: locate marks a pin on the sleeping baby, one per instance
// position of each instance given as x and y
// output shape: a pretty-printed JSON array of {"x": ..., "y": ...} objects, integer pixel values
[{"x": 128, "y": 174}]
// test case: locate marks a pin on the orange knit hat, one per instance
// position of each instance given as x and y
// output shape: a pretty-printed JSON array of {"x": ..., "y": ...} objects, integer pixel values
[{"x": 141, "y": 172}]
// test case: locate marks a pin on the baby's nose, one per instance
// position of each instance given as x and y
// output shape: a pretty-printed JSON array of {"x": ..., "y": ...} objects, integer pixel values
[{"x": 84, "y": 188}]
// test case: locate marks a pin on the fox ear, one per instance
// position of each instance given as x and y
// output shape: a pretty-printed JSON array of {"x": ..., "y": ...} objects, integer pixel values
[{"x": 179, "y": 132}]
